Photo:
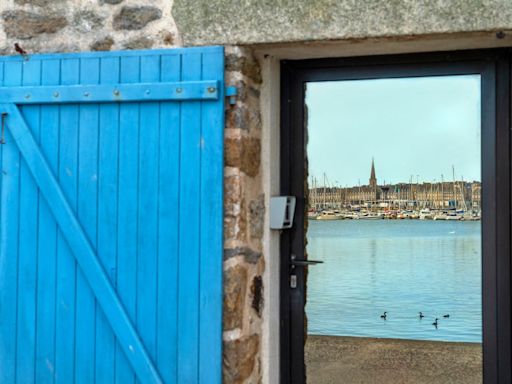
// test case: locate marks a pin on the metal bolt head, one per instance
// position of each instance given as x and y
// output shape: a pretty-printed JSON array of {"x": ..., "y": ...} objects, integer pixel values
[
  {"x": 211, "y": 89},
  {"x": 27, "y": 96},
  {"x": 116, "y": 92},
  {"x": 148, "y": 91},
  {"x": 55, "y": 94},
  {"x": 86, "y": 94},
  {"x": 179, "y": 90}
]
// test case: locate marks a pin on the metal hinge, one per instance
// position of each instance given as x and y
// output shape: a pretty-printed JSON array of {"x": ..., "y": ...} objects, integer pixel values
[{"x": 231, "y": 92}]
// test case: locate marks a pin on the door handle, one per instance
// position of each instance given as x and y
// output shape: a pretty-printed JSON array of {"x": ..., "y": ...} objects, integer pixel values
[
  {"x": 299, "y": 263},
  {"x": 303, "y": 263}
]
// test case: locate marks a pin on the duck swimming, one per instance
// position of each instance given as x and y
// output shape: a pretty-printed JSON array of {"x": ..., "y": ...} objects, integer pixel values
[
  {"x": 446, "y": 316},
  {"x": 435, "y": 323},
  {"x": 421, "y": 315},
  {"x": 384, "y": 315}
]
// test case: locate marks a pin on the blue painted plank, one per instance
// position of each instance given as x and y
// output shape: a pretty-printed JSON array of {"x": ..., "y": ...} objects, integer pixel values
[
  {"x": 47, "y": 252},
  {"x": 9, "y": 221},
  {"x": 107, "y": 217},
  {"x": 2, "y": 257},
  {"x": 158, "y": 225},
  {"x": 127, "y": 231},
  {"x": 82, "y": 249},
  {"x": 210, "y": 273},
  {"x": 87, "y": 215},
  {"x": 66, "y": 265},
  {"x": 168, "y": 224},
  {"x": 189, "y": 205},
  {"x": 28, "y": 245},
  {"x": 83, "y": 93},
  {"x": 148, "y": 210}
]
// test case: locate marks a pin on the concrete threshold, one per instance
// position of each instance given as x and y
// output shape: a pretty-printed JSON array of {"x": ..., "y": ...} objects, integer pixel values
[{"x": 350, "y": 360}]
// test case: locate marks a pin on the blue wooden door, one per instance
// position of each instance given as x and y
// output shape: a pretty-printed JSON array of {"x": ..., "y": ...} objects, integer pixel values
[{"x": 111, "y": 217}]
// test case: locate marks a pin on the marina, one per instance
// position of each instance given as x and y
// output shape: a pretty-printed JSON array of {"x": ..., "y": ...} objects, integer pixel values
[
  {"x": 424, "y": 214},
  {"x": 444, "y": 200}
]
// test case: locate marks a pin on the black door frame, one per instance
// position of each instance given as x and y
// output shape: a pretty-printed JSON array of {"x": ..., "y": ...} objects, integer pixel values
[{"x": 494, "y": 66}]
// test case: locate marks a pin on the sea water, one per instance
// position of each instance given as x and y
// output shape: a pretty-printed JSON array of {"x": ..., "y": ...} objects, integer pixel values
[{"x": 399, "y": 266}]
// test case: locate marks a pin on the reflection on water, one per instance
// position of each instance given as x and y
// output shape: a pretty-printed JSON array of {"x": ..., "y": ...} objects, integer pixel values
[{"x": 397, "y": 266}]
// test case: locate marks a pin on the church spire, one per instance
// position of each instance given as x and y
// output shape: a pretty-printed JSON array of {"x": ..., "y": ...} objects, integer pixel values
[{"x": 373, "y": 179}]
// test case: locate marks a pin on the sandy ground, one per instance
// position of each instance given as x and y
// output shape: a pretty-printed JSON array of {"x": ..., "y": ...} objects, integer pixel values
[{"x": 350, "y": 360}]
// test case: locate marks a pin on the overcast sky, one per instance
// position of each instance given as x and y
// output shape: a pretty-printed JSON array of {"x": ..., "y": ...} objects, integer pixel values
[{"x": 416, "y": 127}]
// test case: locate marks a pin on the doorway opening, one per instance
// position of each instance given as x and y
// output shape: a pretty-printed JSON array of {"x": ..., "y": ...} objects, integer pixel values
[
  {"x": 401, "y": 252},
  {"x": 394, "y": 161}
]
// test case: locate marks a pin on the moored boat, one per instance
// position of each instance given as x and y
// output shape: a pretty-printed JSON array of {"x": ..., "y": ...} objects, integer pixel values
[
  {"x": 426, "y": 214},
  {"x": 329, "y": 215}
]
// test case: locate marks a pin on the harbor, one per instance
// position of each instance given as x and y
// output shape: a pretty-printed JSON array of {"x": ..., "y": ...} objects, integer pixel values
[
  {"x": 435, "y": 200},
  {"x": 392, "y": 214},
  {"x": 398, "y": 267}
]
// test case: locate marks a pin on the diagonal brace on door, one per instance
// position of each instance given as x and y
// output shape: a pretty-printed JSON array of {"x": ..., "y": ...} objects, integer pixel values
[{"x": 84, "y": 253}]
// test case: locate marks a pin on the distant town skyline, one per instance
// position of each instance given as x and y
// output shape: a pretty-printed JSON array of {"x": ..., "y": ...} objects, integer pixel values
[{"x": 415, "y": 129}]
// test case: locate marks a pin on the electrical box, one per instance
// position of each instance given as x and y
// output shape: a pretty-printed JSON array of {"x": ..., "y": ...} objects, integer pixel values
[{"x": 282, "y": 209}]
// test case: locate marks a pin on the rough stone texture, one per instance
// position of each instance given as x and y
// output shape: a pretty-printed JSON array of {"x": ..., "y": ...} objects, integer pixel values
[
  {"x": 141, "y": 42},
  {"x": 257, "y": 216},
  {"x": 87, "y": 21},
  {"x": 167, "y": 37},
  {"x": 235, "y": 287},
  {"x": 134, "y": 18},
  {"x": 244, "y": 215},
  {"x": 232, "y": 194},
  {"x": 83, "y": 25},
  {"x": 104, "y": 44},
  {"x": 24, "y": 25},
  {"x": 250, "y": 255},
  {"x": 207, "y": 22},
  {"x": 239, "y": 359},
  {"x": 40, "y": 3},
  {"x": 243, "y": 153},
  {"x": 251, "y": 156},
  {"x": 234, "y": 227},
  {"x": 247, "y": 65}
]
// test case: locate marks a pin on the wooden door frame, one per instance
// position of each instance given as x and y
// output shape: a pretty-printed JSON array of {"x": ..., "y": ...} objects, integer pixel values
[{"x": 494, "y": 67}]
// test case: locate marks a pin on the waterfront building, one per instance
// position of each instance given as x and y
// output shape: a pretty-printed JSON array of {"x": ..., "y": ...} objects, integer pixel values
[{"x": 458, "y": 194}]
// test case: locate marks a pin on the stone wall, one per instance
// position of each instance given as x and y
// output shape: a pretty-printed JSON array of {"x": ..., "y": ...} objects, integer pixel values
[
  {"x": 244, "y": 212},
  {"x": 101, "y": 25},
  {"x": 85, "y": 25}
]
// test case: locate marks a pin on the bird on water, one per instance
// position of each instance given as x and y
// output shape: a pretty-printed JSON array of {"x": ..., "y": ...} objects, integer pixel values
[
  {"x": 446, "y": 316},
  {"x": 384, "y": 315},
  {"x": 435, "y": 323},
  {"x": 421, "y": 315}
]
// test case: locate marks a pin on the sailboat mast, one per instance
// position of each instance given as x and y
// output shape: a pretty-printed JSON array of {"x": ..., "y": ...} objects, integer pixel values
[
  {"x": 463, "y": 195},
  {"x": 454, "y": 194},
  {"x": 323, "y": 204},
  {"x": 442, "y": 190}
]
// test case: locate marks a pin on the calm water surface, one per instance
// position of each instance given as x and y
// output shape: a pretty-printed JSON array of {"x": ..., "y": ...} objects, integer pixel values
[{"x": 397, "y": 266}]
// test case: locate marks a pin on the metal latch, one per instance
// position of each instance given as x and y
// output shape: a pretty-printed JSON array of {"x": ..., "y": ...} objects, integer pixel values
[{"x": 231, "y": 92}]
